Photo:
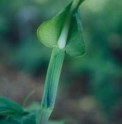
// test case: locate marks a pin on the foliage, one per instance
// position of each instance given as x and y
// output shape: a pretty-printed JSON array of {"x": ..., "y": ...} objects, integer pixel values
[
  {"x": 98, "y": 72},
  {"x": 50, "y": 31},
  {"x": 12, "y": 113},
  {"x": 63, "y": 37}
]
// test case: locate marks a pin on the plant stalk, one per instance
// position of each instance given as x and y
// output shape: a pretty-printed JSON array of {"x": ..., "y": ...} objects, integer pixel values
[{"x": 51, "y": 85}]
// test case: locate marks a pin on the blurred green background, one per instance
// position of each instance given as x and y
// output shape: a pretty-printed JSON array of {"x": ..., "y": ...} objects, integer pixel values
[{"x": 90, "y": 88}]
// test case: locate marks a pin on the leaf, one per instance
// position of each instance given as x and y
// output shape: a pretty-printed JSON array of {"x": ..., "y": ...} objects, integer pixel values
[
  {"x": 10, "y": 120},
  {"x": 49, "y": 31},
  {"x": 29, "y": 119},
  {"x": 25, "y": 118},
  {"x": 8, "y": 107},
  {"x": 34, "y": 107},
  {"x": 75, "y": 45}
]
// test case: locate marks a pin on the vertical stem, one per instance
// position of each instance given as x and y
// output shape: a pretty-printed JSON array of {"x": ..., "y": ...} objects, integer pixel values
[
  {"x": 51, "y": 85},
  {"x": 75, "y": 4}
]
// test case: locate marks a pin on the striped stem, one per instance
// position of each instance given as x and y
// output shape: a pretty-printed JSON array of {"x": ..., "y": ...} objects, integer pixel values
[{"x": 51, "y": 85}]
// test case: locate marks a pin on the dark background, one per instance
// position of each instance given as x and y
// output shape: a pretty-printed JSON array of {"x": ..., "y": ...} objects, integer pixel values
[{"x": 90, "y": 87}]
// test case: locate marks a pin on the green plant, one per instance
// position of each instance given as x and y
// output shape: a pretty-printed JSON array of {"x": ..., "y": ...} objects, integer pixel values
[{"x": 63, "y": 33}]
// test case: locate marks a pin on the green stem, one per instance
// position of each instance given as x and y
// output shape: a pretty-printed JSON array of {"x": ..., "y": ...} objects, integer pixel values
[
  {"x": 51, "y": 84},
  {"x": 26, "y": 99},
  {"x": 75, "y": 4}
]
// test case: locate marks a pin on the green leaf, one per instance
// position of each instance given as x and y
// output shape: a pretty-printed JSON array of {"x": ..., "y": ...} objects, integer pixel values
[
  {"x": 29, "y": 119},
  {"x": 75, "y": 45},
  {"x": 25, "y": 118},
  {"x": 8, "y": 107},
  {"x": 10, "y": 120},
  {"x": 49, "y": 31}
]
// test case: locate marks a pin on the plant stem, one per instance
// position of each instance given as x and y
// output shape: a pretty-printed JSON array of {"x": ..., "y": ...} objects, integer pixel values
[
  {"x": 75, "y": 4},
  {"x": 26, "y": 99},
  {"x": 51, "y": 84}
]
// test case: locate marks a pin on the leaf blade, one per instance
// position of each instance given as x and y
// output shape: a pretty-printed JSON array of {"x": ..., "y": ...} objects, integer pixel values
[
  {"x": 9, "y": 107},
  {"x": 75, "y": 45},
  {"x": 49, "y": 31}
]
